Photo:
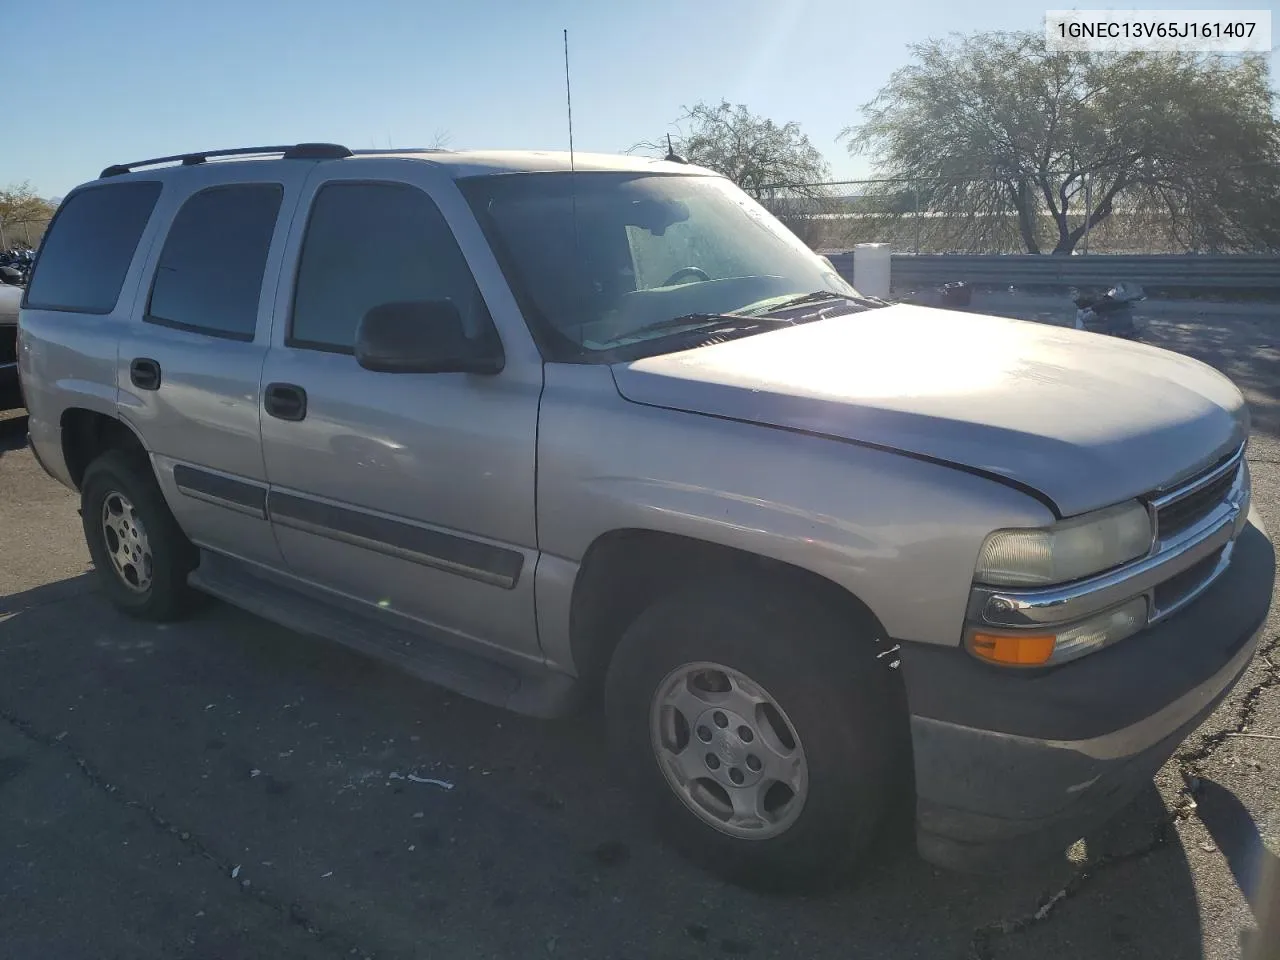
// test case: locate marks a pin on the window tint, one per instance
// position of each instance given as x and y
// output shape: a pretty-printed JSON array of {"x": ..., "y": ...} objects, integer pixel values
[
  {"x": 84, "y": 258},
  {"x": 374, "y": 243},
  {"x": 210, "y": 273}
]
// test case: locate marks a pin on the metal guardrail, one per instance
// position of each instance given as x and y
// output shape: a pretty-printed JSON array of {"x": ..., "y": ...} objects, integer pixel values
[{"x": 1192, "y": 272}]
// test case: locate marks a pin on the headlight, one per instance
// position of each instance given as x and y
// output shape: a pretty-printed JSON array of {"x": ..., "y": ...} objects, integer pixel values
[
  {"x": 1053, "y": 646},
  {"x": 1065, "y": 551}
]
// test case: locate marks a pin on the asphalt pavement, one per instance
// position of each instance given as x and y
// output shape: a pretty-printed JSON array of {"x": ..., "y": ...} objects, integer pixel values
[{"x": 223, "y": 788}]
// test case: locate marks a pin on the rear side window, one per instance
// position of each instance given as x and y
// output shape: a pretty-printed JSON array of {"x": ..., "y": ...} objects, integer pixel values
[
  {"x": 209, "y": 277},
  {"x": 373, "y": 243},
  {"x": 87, "y": 253}
]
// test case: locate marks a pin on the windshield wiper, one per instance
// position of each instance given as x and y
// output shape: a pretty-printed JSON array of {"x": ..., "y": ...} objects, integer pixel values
[
  {"x": 697, "y": 324},
  {"x": 694, "y": 320},
  {"x": 819, "y": 296}
]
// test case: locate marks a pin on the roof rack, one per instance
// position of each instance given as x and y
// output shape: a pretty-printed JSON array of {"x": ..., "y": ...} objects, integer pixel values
[
  {"x": 297, "y": 151},
  {"x": 374, "y": 151}
]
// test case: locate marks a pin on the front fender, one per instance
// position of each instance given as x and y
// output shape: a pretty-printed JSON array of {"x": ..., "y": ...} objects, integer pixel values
[{"x": 900, "y": 533}]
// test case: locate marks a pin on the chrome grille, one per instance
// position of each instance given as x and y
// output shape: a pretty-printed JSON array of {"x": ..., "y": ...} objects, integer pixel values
[
  {"x": 1183, "y": 508},
  {"x": 1194, "y": 507}
]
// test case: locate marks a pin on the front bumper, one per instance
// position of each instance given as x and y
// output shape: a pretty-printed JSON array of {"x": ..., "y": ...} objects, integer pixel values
[{"x": 1014, "y": 766}]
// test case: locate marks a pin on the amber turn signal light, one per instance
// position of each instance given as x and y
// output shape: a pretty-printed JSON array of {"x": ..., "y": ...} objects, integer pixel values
[{"x": 1026, "y": 650}]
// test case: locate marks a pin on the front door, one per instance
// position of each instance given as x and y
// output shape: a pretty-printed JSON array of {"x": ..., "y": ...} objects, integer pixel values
[{"x": 411, "y": 493}]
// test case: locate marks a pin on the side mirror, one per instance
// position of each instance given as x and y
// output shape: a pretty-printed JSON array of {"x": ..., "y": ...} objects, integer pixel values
[{"x": 422, "y": 336}]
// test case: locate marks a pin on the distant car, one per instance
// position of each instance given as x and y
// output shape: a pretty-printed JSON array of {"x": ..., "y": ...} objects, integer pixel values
[
  {"x": 10, "y": 298},
  {"x": 532, "y": 425}
]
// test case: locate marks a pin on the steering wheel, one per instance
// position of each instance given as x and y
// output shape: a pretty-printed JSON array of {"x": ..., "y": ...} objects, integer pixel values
[{"x": 696, "y": 273}]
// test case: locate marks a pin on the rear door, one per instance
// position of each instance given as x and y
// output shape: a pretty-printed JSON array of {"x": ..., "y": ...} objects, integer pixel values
[
  {"x": 190, "y": 361},
  {"x": 411, "y": 493}
]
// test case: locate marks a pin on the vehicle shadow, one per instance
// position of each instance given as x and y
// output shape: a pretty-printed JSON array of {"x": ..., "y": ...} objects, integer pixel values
[
  {"x": 1132, "y": 895},
  {"x": 1255, "y": 868},
  {"x": 47, "y": 593},
  {"x": 250, "y": 737}
]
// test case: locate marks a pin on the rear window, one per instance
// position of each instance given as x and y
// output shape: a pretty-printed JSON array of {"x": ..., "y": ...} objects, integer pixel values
[
  {"x": 87, "y": 253},
  {"x": 209, "y": 278}
]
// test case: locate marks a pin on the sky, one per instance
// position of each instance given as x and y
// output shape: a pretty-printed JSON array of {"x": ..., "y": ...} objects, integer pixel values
[{"x": 95, "y": 82}]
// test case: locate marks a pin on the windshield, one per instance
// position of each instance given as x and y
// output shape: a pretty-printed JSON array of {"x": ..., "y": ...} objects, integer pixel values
[{"x": 601, "y": 261}]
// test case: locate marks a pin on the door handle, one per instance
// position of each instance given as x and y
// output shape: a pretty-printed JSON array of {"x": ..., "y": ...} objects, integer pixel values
[
  {"x": 285, "y": 401},
  {"x": 145, "y": 374}
]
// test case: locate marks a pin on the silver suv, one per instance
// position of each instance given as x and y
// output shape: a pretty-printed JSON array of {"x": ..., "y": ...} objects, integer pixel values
[{"x": 532, "y": 425}]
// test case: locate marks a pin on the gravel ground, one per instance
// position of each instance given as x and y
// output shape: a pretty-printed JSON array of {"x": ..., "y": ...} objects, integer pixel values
[{"x": 224, "y": 788}]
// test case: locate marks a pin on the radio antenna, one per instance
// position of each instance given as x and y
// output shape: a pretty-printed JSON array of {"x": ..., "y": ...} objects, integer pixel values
[
  {"x": 573, "y": 198},
  {"x": 568, "y": 98}
]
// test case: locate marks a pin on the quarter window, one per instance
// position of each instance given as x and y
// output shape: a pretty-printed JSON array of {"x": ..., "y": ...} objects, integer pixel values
[{"x": 84, "y": 259}]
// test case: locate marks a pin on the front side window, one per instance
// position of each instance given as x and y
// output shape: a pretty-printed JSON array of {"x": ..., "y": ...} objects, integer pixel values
[
  {"x": 84, "y": 259},
  {"x": 369, "y": 244},
  {"x": 602, "y": 262},
  {"x": 209, "y": 277}
]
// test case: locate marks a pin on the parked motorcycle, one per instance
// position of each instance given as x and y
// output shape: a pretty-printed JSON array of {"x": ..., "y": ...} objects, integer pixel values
[
  {"x": 955, "y": 295},
  {"x": 1111, "y": 313},
  {"x": 15, "y": 266}
]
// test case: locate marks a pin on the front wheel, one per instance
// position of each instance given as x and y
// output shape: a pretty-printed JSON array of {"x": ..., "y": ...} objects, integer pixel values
[
  {"x": 761, "y": 729},
  {"x": 141, "y": 554}
]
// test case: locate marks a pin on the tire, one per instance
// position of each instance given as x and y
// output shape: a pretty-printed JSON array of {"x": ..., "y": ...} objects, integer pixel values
[
  {"x": 843, "y": 704},
  {"x": 159, "y": 592}
]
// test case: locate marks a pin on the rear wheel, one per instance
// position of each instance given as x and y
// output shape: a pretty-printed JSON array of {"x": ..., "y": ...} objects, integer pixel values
[
  {"x": 141, "y": 554},
  {"x": 761, "y": 729}
]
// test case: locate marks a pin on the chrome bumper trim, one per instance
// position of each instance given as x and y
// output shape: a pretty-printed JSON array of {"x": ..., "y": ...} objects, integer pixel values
[{"x": 1057, "y": 605}]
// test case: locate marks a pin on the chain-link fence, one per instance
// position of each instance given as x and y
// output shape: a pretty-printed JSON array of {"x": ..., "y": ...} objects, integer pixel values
[
  {"x": 981, "y": 217},
  {"x": 21, "y": 234}
]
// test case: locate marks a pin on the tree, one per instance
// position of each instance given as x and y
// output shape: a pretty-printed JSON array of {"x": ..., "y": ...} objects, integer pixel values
[
  {"x": 1006, "y": 135},
  {"x": 23, "y": 213},
  {"x": 764, "y": 159},
  {"x": 776, "y": 165}
]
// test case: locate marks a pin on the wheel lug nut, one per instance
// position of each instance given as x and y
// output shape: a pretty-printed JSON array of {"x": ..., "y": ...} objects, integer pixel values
[
  {"x": 721, "y": 720},
  {"x": 736, "y": 776},
  {"x": 753, "y": 763},
  {"x": 745, "y": 734},
  {"x": 713, "y": 762},
  {"x": 704, "y": 734}
]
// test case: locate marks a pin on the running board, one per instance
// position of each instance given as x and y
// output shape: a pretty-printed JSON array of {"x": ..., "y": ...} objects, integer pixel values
[{"x": 536, "y": 692}]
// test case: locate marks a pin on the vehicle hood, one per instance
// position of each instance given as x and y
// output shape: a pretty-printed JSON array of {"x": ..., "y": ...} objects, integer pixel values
[{"x": 1083, "y": 419}]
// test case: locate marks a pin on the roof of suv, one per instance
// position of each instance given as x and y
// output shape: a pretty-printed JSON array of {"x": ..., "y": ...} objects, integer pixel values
[
  {"x": 470, "y": 163},
  {"x": 458, "y": 164}
]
